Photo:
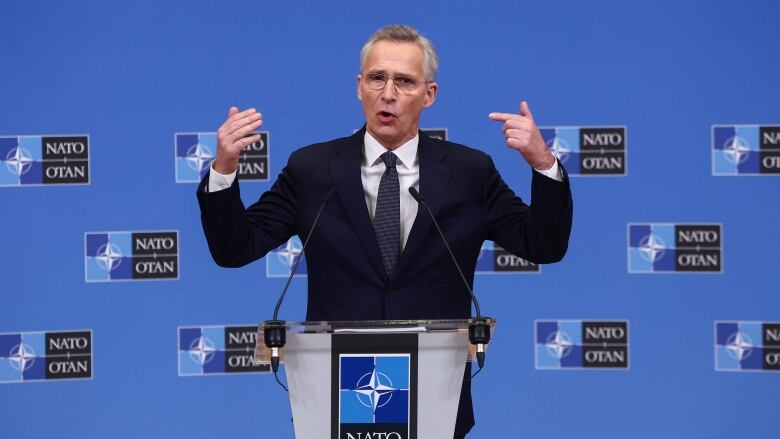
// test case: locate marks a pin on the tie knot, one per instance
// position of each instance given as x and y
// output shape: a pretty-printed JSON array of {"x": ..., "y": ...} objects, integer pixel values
[{"x": 389, "y": 159}]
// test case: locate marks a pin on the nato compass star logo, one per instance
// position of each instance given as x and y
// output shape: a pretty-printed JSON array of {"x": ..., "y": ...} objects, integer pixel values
[
  {"x": 21, "y": 357},
  {"x": 739, "y": 346},
  {"x": 198, "y": 156},
  {"x": 194, "y": 152},
  {"x": 560, "y": 148},
  {"x": 374, "y": 390},
  {"x": 559, "y": 344},
  {"x": 652, "y": 247},
  {"x": 18, "y": 161},
  {"x": 202, "y": 350},
  {"x": 288, "y": 253},
  {"x": 109, "y": 256},
  {"x": 279, "y": 262},
  {"x": 736, "y": 150}
]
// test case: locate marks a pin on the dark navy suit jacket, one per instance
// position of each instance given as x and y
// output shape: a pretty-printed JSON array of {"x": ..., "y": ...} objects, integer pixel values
[{"x": 347, "y": 280}]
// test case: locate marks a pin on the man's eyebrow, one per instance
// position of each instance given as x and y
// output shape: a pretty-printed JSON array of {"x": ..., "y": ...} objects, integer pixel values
[{"x": 384, "y": 72}]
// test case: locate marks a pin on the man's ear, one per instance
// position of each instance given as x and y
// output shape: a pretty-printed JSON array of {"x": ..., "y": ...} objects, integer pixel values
[
  {"x": 359, "y": 94},
  {"x": 430, "y": 94}
]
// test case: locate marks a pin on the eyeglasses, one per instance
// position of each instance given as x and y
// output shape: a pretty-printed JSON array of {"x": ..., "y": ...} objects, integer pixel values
[{"x": 403, "y": 84}]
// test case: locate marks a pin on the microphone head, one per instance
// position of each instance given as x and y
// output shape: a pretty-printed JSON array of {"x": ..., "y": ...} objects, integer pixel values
[
  {"x": 416, "y": 195},
  {"x": 329, "y": 194}
]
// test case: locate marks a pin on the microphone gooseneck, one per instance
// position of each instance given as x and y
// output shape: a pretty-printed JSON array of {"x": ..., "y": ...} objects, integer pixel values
[
  {"x": 274, "y": 331},
  {"x": 479, "y": 330}
]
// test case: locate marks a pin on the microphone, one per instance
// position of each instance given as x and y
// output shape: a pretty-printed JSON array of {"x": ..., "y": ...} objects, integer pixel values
[
  {"x": 479, "y": 330},
  {"x": 274, "y": 331}
]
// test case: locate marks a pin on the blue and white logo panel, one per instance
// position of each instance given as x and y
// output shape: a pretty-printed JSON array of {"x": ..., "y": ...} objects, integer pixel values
[
  {"x": 675, "y": 248},
  {"x": 493, "y": 259},
  {"x": 744, "y": 346},
  {"x": 130, "y": 256},
  {"x": 745, "y": 150},
  {"x": 195, "y": 151},
  {"x": 588, "y": 150},
  {"x": 218, "y": 350},
  {"x": 279, "y": 262},
  {"x": 374, "y": 394},
  {"x": 45, "y": 356},
  {"x": 581, "y": 344},
  {"x": 44, "y": 160}
]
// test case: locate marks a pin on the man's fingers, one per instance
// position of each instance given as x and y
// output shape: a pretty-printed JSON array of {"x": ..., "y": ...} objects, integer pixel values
[
  {"x": 232, "y": 111},
  {"x": 525, "y": 110},
  {"x": 246, "y": 129},
  {"x": 502, "y": 117},
  {"x": 239, "y": 123},
  {"x": 242, "y": 115},
  {"x": 246, "y": 141}
]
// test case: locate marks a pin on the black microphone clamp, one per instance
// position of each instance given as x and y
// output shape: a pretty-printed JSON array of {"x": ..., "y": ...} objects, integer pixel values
[
  {"x": 479, "y": 335},
  {"x": 275, "y": 337}
]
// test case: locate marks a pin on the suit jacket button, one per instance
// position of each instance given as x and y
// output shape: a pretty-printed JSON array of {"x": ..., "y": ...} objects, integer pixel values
[{"x": 390, "y": 293}]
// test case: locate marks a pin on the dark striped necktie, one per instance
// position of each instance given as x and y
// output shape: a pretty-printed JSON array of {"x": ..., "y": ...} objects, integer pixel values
[{"x": 387, "y": 218}]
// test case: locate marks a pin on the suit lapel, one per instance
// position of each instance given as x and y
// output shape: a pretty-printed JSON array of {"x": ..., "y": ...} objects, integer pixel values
[
  {"x": 345, "y": 171},
  {"x": 434, "y": 178}
]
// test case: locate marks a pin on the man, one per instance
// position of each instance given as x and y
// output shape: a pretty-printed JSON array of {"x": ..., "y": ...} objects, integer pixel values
[{"x": 372, "y": 256}]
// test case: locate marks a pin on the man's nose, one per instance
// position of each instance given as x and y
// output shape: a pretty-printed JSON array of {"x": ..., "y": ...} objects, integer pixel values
[{"x": 389, "y": 92}]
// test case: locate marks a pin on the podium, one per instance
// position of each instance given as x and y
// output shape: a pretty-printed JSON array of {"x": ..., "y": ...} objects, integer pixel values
[{"x": 386, "y": 379}]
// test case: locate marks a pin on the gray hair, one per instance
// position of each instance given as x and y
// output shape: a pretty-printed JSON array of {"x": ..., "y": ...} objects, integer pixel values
[{"x": 399, "y": 33}]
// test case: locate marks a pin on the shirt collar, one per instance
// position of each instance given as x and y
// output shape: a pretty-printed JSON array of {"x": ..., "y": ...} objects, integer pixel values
[{"x": 406, "y": 153}]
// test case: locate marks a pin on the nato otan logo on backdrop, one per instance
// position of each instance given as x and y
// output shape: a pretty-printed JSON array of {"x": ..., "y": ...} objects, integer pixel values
[
  {"x": 745, "y": 149},
  {"x": 436, "y": 133},
  {"x": 218, "y": 350},
  {"x": 195, "y": 151},
  {"x": 126, "y": 256},
  {"x": 674, "y": 248},
  {"x": 588, "y": 150},
  {"x": 374, "y": 398},
  {"x": 581, "y": 344},
  {"x": 44, "y": 356},
  {"x": 279, "y": 262},
  {"x": 44, "y": 160},
  {"x": 493, "y": 259},
  {"x": 747, "y": 346}
]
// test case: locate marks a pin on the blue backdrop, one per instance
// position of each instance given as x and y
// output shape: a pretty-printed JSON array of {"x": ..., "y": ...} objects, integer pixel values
[{"x": 132, "y": 74}]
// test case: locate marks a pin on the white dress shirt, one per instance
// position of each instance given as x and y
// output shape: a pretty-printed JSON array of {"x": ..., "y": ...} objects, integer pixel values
[
  {"x": 371, "y": 169},
  {"x": 408, "y": 167}
]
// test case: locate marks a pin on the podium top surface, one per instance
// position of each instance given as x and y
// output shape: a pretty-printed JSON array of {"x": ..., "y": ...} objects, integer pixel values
[
  {"x": 376, "y": 326},
  {"x": 263, "y": 353}
]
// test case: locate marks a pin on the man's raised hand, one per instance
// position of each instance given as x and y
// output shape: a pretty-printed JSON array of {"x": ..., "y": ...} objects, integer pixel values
[
  {"x": 232, "y": 138},
  {"x": 523, "y": 135}
]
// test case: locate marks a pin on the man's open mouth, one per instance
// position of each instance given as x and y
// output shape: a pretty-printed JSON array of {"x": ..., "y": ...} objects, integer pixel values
[{"x": 386, "y": 116}]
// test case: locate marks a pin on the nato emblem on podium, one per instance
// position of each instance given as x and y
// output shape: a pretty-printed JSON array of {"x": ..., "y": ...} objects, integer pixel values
[{"x": 374, "y": 382}]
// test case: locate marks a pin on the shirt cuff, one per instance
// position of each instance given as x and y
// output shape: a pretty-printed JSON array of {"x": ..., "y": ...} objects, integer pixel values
[
  {"x": 218, "y": 182},
  {"x": 554, "y": 172}
]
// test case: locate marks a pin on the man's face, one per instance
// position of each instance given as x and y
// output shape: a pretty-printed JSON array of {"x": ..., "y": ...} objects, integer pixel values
[{"x": 392, "y": 115}]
